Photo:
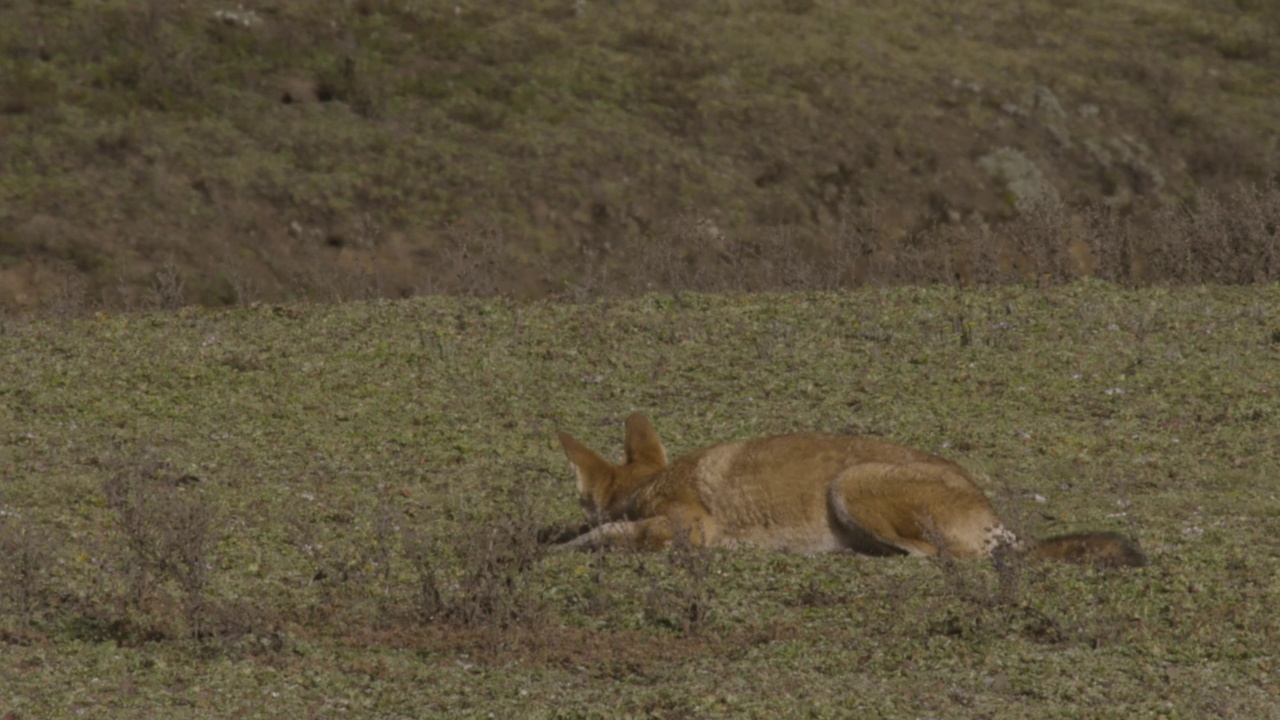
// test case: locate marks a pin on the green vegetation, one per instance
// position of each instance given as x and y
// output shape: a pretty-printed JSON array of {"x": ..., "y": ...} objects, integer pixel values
[
  {"x": 313, "y": 511},
  {"x": 266, "y": 150}
]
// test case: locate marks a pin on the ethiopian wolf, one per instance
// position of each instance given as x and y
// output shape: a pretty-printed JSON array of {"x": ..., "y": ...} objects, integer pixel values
[{"x": 804, "y": 492}]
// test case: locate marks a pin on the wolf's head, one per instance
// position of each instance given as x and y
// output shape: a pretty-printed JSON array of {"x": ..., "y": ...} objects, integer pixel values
[{"x": 603, "y": 487}]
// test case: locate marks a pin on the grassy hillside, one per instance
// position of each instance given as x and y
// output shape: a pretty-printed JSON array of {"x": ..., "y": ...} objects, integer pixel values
[
  {"x": 304, "y": 511},
  {"x": 267, "y": 150}
]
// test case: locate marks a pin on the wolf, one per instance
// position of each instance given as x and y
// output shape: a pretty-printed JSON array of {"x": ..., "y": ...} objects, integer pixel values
[{"x": 808, "y": 493}]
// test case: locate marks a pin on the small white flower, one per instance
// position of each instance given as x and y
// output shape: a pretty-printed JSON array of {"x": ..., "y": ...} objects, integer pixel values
[{"x": 241, "y": 17}]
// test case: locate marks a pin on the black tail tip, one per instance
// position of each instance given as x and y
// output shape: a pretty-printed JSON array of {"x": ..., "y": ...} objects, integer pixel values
[{"x": 1100, "y": 549}]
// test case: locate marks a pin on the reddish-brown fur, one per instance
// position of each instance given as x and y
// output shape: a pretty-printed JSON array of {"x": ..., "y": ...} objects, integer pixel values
[{"x": 807, "y": 492}]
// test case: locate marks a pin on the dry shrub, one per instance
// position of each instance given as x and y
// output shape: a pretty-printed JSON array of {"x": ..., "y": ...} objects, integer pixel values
[
  {"x": 493, "y": 552},
  {"x": 1025, "y": 598},
  {"x": 469, "y": 579},
  {"x": 71, "y": 295},
  {"x": 478, "y": 262},
  {"x": 26, "y": 552},
  {"x": 681, "y": 605},
  {"x": 168, "y": 288},
  {"x": 168, "y": 530},
  {"x": 1111, "y": 240},
  {"x": 1230, "y": 238},
  {"x": 1211, "y": 237},
  {"x": 691, "y": 254},
  {"x": 977, "y": 606},
  {"x": 967, "y": 581},
  {"x": 473, "y": 587},
  {"x": 1215, "y": 237}
]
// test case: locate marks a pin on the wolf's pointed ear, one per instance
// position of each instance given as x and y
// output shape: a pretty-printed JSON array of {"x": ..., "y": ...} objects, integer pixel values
[
  {"x": 643, "y": 445},
  {"x": 588, "y": 466}
]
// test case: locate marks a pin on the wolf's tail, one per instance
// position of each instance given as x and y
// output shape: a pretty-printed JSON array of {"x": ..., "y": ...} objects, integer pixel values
[{"x": 1102, "y": 549}]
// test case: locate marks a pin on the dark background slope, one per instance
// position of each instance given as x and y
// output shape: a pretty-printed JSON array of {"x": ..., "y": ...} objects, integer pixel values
[{"x": 204, "y": 152}]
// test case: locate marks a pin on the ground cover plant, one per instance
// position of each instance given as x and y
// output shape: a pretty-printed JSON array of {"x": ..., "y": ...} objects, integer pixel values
[{"x": 325, "y": 510}]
